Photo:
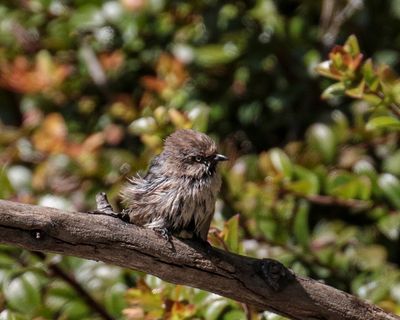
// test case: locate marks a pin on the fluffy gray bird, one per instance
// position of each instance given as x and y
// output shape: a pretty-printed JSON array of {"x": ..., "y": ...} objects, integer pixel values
[{"x": 177, "y": 195}]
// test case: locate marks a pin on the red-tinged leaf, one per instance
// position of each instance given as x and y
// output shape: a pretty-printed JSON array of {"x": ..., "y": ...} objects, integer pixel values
[
  {"x": 355, "y": 62},
  {"x": 25, "y": 76},
  {"x": 112, "y": 61},
  {"x": 347, "y": 57},
  {"x": 181, "y": 310},
  {"x": 326, "y": 69},
  {"x": 387, "y": 77},
  {"x": 51, "y": 136}
]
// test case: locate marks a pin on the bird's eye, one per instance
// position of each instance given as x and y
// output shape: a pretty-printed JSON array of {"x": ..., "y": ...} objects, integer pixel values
[{"x": 198, "y": 159}]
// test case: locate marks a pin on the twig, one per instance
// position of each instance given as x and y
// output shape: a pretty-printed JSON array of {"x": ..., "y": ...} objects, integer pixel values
[
  {"x": 90, "y": 301},
  {"x": 330, "y": 31},
  {"x": 93, "y": 65},
  {"x": 335, "y": 201},
  {"x": 247, "y": 311},
  {"x": 327, "y": 200},
  {"x": 394, "y": 107}
]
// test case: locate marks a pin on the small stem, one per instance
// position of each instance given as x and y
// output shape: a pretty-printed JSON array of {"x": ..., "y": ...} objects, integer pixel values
[
  {"x": 394, "y": 107},
  {"x": 327, "y": 200},
  {"x": 93, "y": 304},
  {"x": 247, "y": 311},
  {"x": 334, "y": 201}
]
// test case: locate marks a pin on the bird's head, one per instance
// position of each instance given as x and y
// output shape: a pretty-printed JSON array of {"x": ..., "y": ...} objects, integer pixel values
[{"x": 191, "y": 153}]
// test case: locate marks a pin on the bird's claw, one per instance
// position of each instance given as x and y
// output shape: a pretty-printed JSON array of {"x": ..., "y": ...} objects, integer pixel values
[
  {"x": 105, "y": 208},
  {"x": 164, "y": 233}
]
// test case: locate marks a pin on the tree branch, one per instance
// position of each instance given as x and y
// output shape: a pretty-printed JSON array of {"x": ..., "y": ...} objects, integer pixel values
[{"x": 99, "y": 237}]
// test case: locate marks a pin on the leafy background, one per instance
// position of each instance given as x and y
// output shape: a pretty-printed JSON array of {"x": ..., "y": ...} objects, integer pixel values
[{"x": 88, "y": 90}]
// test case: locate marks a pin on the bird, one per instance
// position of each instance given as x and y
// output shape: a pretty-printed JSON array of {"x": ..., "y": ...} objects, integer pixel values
[{"x": 177, "y": 195}]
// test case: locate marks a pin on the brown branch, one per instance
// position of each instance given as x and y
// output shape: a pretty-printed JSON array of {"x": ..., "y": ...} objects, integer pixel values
[
  {"x": 394, "y": 107},
  {"x": 90, "y": 301},
  {"x": 332, "y": 21},
  {"x": 335, "y": 201},
  {"x": 237, "y": 277},
  {"x": 327, "y": 200}
]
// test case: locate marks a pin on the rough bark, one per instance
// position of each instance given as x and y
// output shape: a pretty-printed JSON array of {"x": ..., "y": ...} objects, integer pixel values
[{"x": 113, "y": 241}]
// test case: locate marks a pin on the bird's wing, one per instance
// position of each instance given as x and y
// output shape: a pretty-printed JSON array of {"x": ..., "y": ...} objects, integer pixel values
[{"x": 154, "y": 168}]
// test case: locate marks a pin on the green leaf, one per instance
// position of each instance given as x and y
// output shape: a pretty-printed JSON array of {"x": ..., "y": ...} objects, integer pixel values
[
  {"x": 391, "y": 164},
  {"x": 390, "y": 226},
  {"x": 301, "y": 229},
  {"x": 232, "y": 235},
  {"x": 6, "y": 261},
  {"x": 365, "y": 167},
  {"x": 214, "y": 54},
  {"x": 321, "y": 138},
  {"x": 214, "y": 309},
  {"x": 306, "y": 181},
  {"x": 357, "y": 92},
  {"x": 337, "y": 60},
  {"x": 383, "y": 122},
  {"x": 342, "y": 184},
  {"x": 370, "y": 257},
  {"x": 75, "y": 310},
  {"x": 114, "y": 299},
  {"x": 334, "y": 90},
  {"x": 364, "y": 188},
  {"x": 199, "y": 115},
  {"x": 390, "y": 187},
  {"x": 142, "y": 125},
  {"x": 86, "y": 16},
  {"x": 281, "y": 162},
  {"x": 351, "y": 46},
  {"x": 58, "y": 294},
  {"x": 9, "y": 315},
  {"x": 370, "y": 76},
  {"x": 372, "y": 99},
  {"x": 234, "y": 315},
  {"x": 23, "y": 293},
  {"x": 6, "y": 189}
]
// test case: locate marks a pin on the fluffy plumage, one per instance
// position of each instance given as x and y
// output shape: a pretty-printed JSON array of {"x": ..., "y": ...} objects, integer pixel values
[{"x": 178, "y": 192}]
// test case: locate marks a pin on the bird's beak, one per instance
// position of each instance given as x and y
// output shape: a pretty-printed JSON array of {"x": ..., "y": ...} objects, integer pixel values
[{"x": 220, "y": 157}]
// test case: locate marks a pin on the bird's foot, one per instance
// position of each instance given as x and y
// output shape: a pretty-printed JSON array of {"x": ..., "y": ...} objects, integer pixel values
[
  {"x": 105, "y": 208},
  {"x": 164, "y": 233}
]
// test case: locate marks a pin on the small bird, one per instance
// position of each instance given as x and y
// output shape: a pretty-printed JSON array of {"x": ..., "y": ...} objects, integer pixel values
[{"x": 178, "y": 193}]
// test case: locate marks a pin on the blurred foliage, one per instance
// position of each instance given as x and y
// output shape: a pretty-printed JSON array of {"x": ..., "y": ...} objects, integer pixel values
[{"x": 89, "y": 90}]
